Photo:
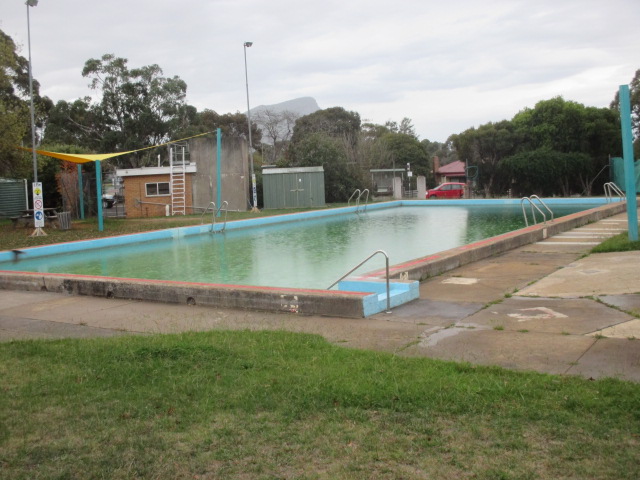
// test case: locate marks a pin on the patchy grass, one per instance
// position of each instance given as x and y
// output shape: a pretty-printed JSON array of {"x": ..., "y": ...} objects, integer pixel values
[
  {"x": 16, "y": 238},
  {"x": 619, "y": 243},
  {"x": 262, "y": 405}
]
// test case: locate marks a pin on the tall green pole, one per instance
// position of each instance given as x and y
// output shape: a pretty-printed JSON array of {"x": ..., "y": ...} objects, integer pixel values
[
  {"x": 219, "y": 168},
  {"x": 629, "y": 170},
  {"x": 99, "y": 195},
  {"x": 81, "y": 193}
]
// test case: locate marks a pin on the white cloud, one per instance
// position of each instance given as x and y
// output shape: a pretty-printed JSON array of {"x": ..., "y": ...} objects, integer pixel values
[{"x": 448, "y": 66}]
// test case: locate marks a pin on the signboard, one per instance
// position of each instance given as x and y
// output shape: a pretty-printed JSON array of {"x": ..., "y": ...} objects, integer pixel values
[
  {"x": 254, "y": 190},
  {"x": 38, "y": 205},
  {"x": 409, "y": 173}
]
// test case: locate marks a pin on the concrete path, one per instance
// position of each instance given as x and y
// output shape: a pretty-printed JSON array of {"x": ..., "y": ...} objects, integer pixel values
[{"x": 540, "y": 307}]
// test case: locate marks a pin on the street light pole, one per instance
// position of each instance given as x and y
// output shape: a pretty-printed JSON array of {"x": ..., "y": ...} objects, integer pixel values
[
  {"x": 38, "y": 200},
  {"x": 32, "y": 3},
  {"x": 253, "y": 175}
]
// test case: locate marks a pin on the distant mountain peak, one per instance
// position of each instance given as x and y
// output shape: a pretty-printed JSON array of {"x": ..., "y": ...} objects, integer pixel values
[
  {"x": 301, "y": 106},
  {"x": 298, "y": 106}
]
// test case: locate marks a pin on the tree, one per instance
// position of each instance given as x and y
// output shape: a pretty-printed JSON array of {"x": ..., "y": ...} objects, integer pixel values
[
  {"x": 329, "y": 138},
  {"x": 484, "y": 147},
  {"x": 545, "y": 171},
  {"x": 634, "y": 96},
  {"x": 277, "y": 127},
  {"x": 568, "y": 127},
  {"x": 15, "y": 119},
  {"x": 230, "y": 124},
  {"x": 406, "y": 149},
  {"x": 334, "y": 122},
  {"x": 74, "y": 123},
  {"x": 135, "y": 108},
  {"x": 406, "y": 127},
  {"x": 340, "y": 178}
]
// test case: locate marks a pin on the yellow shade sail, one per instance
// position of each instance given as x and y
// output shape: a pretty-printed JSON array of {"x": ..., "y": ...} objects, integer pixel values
[{"x": 92, "y": 157}]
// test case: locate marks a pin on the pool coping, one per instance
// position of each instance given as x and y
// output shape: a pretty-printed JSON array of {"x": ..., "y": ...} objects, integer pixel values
[{"x": 350, "y": 304}]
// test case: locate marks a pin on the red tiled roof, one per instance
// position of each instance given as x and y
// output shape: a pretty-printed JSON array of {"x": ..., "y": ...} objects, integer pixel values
[{"x": 457, "y": 167}]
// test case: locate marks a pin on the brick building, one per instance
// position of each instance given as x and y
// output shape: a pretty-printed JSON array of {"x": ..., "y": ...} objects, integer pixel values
[
  {"x": 193, "y": 185},
  {"x": 147, "y": 191}
]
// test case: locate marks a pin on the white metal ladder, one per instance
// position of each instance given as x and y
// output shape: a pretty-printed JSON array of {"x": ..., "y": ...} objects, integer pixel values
[
  {"x": 610, "y": 189},
  {"x": 359, "y": 195},
  {"x": 534, "y": 206},
  {"x": 178, "y": 178}
]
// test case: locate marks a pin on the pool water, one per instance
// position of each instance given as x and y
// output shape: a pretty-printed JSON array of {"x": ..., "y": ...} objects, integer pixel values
[{"x": 302, "y": 254}]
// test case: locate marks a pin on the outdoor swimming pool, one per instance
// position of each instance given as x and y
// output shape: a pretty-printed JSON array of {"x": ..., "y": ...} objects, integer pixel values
[{"x": 310, "y": 252}]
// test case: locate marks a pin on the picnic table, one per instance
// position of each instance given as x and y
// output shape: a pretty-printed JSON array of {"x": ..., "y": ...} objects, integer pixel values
[{"x": 26, "y": 219}]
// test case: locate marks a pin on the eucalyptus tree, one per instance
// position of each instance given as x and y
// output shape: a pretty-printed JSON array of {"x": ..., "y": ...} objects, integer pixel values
[
  {"x": 132, "y": 108},
  {"x": 14, "y": 108}
]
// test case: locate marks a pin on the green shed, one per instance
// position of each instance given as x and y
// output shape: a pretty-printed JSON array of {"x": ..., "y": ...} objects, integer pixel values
[
  {"x": 293, "y": 187},
  {"x": 13, "y": 197}
]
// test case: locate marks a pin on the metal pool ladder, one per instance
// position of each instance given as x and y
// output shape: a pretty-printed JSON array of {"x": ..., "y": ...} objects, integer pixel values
[
  {"x": 360, "y": 194},
  {"x": 362, "y": 263},
  {"x": 610, "y": 188},
  {"x": 533, "y": 212},
  {"x": 214, "y": 214}
]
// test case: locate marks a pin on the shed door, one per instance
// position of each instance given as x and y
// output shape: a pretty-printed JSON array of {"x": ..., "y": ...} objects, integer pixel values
[{"x": 295, "y": 190}]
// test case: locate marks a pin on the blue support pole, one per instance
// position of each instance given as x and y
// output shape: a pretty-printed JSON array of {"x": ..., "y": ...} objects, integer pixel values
[
  {"x": 629, "y": 170},
  {"x": 219, "y": 168},
  {"x": 81, "y": 193},
  {"x": 99, "y": 195}
]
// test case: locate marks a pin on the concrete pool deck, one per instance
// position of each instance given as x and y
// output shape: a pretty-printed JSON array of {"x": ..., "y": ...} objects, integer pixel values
[{"x": 538, "y": 307}]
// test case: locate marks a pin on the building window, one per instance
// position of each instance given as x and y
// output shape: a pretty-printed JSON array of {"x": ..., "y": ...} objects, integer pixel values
[{"x": 159, "y": 189}]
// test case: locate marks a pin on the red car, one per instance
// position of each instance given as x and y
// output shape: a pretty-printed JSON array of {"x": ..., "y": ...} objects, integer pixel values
[{"x": 447, "y": 190}]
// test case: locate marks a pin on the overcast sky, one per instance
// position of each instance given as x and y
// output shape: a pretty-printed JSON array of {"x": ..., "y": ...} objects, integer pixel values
[{"x": 447, "y": 65}]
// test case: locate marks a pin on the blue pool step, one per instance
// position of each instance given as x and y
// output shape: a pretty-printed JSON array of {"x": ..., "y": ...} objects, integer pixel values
[{"x": 400, "y": 292}]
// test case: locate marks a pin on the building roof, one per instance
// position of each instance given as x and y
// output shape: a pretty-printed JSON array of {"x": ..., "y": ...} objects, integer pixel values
[
  {"x": 453, "y": 168},
  {"x": 271, "y": 171},
  {"x": 134, "y": 172}
]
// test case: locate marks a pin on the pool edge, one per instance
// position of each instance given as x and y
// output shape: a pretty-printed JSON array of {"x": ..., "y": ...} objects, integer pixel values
[{"x": 297, "y": 301}]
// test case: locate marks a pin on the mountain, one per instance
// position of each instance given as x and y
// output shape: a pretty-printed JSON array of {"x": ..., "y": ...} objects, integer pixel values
[
  {"x": 279, "y": 126},
  {"x": 300, "y": 106}
]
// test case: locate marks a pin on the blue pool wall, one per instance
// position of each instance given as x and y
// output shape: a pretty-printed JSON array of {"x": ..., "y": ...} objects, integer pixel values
[
  {"x": 400, "y": 292},
  {"x": 46, "y": 250}
]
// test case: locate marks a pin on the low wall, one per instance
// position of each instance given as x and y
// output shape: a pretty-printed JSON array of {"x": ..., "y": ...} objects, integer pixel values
[{"x": 305, "y": 302}]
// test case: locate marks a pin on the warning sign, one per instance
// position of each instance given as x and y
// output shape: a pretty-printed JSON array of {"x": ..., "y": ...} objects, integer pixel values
[{"x": 38, "y": 212}]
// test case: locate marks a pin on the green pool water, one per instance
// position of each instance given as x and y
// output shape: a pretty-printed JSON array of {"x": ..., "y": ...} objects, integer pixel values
[{"x": 302, "y": 254}]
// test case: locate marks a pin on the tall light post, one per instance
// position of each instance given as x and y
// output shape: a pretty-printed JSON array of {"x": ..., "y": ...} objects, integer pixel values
[
  {"x": 254, "y": 207},
  {"x": 38, "y": 200},
  {"x": 32, "y": 3}
]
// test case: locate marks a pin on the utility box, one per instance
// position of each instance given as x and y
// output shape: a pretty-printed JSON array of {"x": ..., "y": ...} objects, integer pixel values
[{"x": 293, "y": 187}]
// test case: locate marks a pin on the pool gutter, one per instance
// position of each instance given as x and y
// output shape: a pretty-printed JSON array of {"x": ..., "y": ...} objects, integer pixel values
[{"x": 359, "y": 296}]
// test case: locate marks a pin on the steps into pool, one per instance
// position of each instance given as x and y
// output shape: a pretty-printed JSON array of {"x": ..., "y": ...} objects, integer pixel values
[{"x": 400, "y": 292}]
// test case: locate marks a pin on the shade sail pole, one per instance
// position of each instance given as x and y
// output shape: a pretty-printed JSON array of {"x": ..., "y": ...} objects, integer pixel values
[{"x": 99, "y": 195}]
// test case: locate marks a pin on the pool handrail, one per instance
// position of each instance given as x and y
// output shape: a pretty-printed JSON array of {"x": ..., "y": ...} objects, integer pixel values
[
  {"x": 214, "y": 213},
  {"x": 360, "y": 194},
  {"x": 610, "y": 187},
  {"x": 366, "y": 202},
  {"x": 536, "y": 197},
  {"x": 357, "y": 190},
  {"x": 533, "y": 213},
  {"x": 362, "y": 263}
]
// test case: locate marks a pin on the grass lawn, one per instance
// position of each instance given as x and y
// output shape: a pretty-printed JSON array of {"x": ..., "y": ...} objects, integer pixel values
[
  {"x": 15, "y": 238},
  {"x": 619, "y": 243},
  {"x": 267, "y": 405},
  {"x": 279, "y": 405}
]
